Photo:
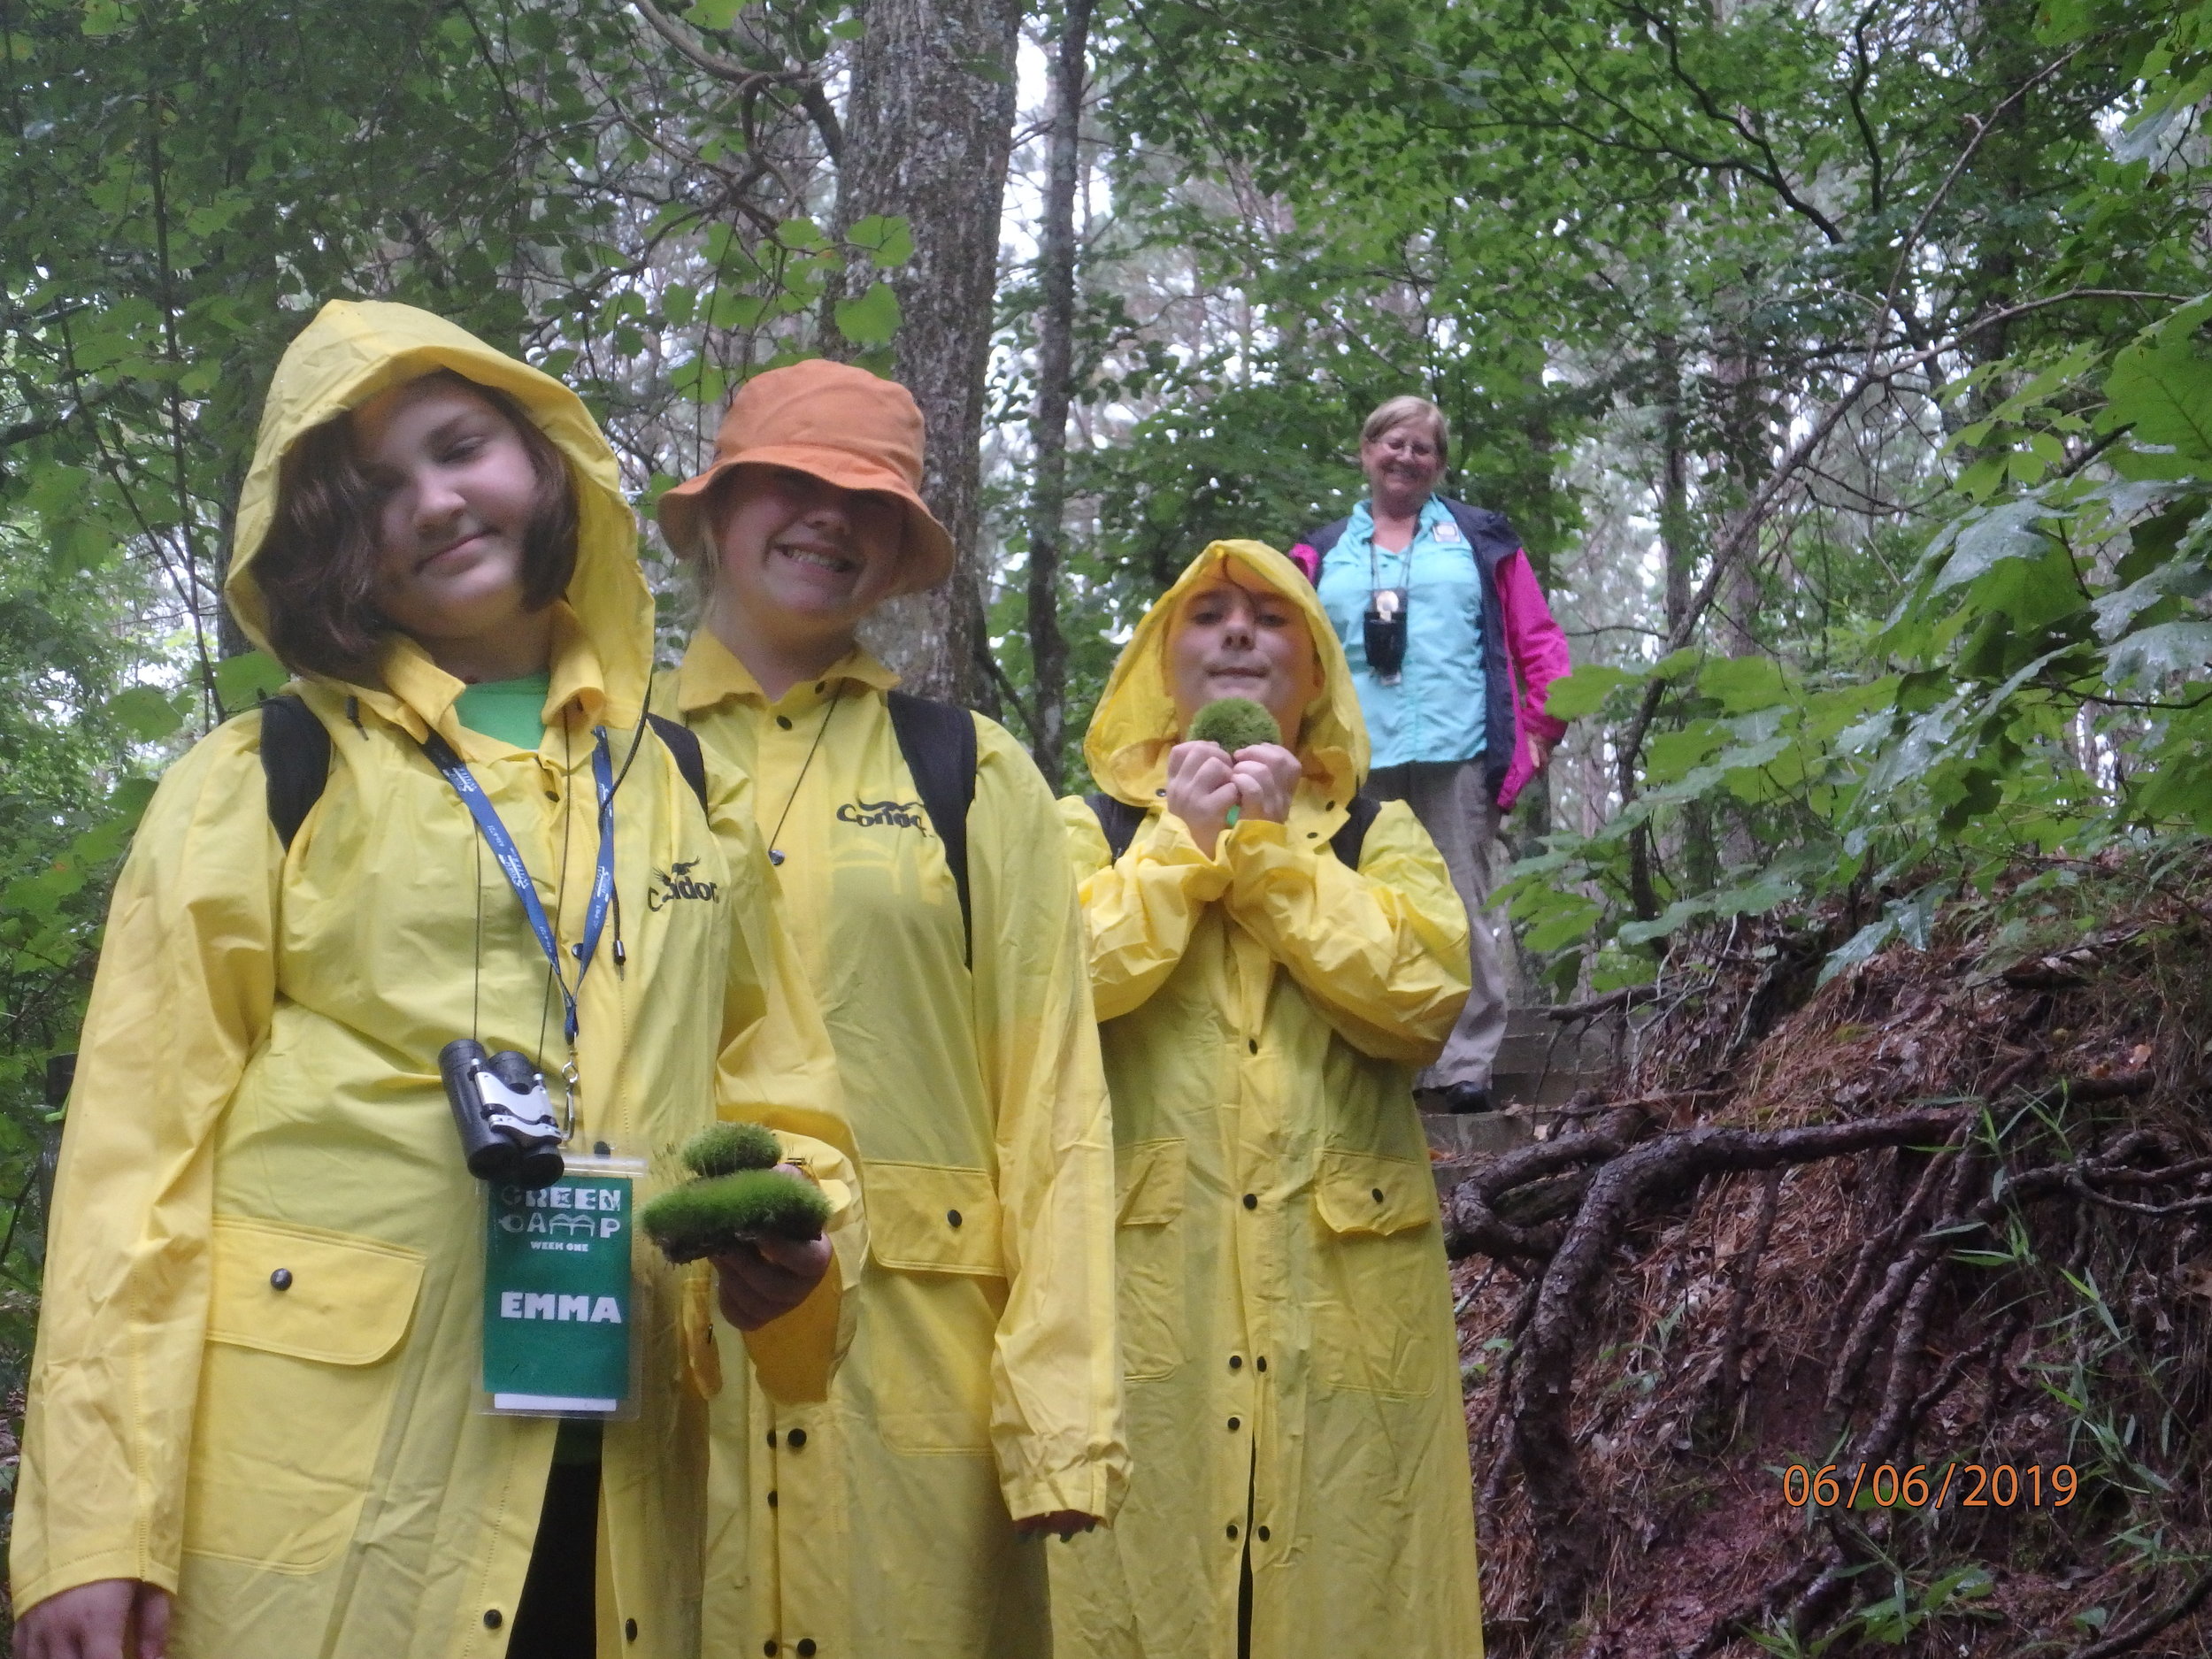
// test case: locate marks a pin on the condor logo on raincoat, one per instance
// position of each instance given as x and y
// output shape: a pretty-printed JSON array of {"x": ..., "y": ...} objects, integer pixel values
[
  {"x": 893, "y": 814},
  {"x": 675, "y": 883}
]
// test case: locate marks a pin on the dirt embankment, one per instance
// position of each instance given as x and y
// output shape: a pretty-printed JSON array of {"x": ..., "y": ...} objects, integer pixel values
[{"x": 1941, "y": 1229}]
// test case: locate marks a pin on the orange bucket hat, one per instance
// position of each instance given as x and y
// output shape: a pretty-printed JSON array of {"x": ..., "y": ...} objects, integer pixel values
[{"x": 840, "y": 424}]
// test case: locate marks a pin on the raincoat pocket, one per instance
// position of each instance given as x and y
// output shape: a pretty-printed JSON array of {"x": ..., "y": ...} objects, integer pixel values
[
  {"x": 1149, "y": 1242},
  {"x": 296, "y": 1384},
  {"x": 936, "y": 1227},
  {"x": 1376, "y": 1272}
]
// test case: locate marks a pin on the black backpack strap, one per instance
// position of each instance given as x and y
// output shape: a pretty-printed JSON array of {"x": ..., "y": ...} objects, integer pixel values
[
  {"x": 1351, "y": 835},
  {"x": 1117, "y": 818},
  {"x": 682, "y": 742},
  {"x": 938, "y": 740},
  {"x": 295, "y": 762}
]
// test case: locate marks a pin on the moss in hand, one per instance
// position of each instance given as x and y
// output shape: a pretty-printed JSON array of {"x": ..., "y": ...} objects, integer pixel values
[
  {"x": 708, "y": 1216},
  {"x": 724, "y": 1149},
  {"x": 1234, "y": 723}
]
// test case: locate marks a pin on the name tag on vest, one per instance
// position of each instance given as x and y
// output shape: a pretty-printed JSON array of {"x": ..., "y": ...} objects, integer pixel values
[{"x": 556, "y": 1296}]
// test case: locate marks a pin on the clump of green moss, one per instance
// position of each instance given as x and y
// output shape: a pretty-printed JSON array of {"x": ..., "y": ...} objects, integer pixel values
[
  {"x": 1234, "y": 723},
  {"x": 740, "y": 1195},
  {"x": 724, "y": 1149}
]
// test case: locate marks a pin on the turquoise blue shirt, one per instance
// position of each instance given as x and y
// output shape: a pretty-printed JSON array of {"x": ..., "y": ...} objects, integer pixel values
[{"x": 1435, "y": 710}]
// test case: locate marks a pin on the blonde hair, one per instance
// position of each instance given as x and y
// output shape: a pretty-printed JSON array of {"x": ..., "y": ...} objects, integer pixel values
[{"x": 1396, "y": 412}]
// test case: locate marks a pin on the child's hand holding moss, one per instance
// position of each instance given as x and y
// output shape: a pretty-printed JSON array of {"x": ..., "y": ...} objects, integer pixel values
[{"x": 759, "y": 1221}]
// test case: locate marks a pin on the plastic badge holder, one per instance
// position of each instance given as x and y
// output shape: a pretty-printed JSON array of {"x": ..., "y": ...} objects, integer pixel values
[{"x": 560, "y": 1301}]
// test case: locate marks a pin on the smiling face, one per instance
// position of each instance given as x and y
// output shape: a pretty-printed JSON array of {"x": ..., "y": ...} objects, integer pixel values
[
  {"x": 1403, "y": 463},
  {"x": 1233, "y": 640},
  {"x": 455, "y": 493},
  {"x": 799, "y": 561}
]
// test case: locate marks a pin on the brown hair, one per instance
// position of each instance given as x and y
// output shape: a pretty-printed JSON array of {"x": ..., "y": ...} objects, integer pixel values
[
  {"x": 1403, "y": 410},
  {"x": 316, "y": 567}
]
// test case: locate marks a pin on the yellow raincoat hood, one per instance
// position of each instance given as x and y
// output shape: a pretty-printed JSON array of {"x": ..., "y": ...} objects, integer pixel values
[
  {"x": 356, "y": 349},
  {"x": 1137, "y": 722}
]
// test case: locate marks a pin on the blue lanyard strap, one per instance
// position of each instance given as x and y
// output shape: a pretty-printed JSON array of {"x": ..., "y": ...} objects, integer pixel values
[{"x": 518, "y": 873}]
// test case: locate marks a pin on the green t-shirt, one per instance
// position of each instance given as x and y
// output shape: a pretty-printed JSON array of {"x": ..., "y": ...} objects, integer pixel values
[{"x": 512, "y": 711}]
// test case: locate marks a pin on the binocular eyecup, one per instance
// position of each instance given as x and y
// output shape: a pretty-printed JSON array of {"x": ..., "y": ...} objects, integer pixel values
[{"x": 506, "y": 1118}]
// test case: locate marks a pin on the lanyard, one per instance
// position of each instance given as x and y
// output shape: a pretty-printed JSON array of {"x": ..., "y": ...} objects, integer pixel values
[{"x": 509, "y": 860}]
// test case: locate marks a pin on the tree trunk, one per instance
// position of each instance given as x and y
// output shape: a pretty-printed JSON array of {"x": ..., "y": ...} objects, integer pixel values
[
  {"x": 927, "y": 137},
  {"x": 1055, "y": 389}
]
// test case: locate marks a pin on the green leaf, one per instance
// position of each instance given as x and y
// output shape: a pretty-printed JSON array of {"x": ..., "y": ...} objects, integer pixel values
[
  {"x": 870, "y": 320},
  {"x": 240, "y": 681},
  {"x": 714, "y": 14},
  {"x": 1744, "y": 684},
  {"x": 145, "y": 712},
  {"x": 1583, "y": 691},
  {"x": 2162, "y": 387},
  {"x": 2168, "y": 648},
  {"x": 1983, "y": 540},
  {"x": 888, "y": 241},
  {"x": 1562, "y": 926}
]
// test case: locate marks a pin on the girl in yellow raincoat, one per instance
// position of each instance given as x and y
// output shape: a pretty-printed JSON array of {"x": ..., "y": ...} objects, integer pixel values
[
  {"x": 254, "y": 1425},
  {"x": 980, "y": 1391},
  {"x": 1301, "y": 1487}
]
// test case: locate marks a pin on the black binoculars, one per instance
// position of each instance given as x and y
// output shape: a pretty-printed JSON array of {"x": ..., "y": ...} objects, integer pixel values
[
  {"x": 1383, "y": 632},
  {"x": 500, "y": 1106}
]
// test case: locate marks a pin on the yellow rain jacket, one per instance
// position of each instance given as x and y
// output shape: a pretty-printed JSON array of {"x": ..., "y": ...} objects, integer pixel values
[
  {"x": 981, "y": 1386},
  {"x": 305, "y": 1467},
  {"x": 1287, "y": 1344}
]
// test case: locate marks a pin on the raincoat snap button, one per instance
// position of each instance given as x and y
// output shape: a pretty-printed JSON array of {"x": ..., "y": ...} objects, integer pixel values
[
  {"x": 952, "y": 1217},
  {"x": 1313, "y": 835},
  {"x": 775, "y": 855},
  {"x": 1376, "y": 1193},
  {"x": 282, "y": 1279},
  {"x": 806, "y": 1647},
  {"x": 1252, "y": 1044},
  {"x": 1251, "y": 1201},
  {"x": 795, "y": 1438},
  {"x": 1263, "y": 1535},
  {"x": 771, "y": 1437},
  {"x": 784, "y": 720},
  {"x": 629, "y": 1630},
  {"x": 492, "y": 1620},
  {"x": 769, "y": 1647},
  {"x": 771, "y": 1500},
  {"x": 1232, "y": 1529},
  {"x": 1236, "y": 1362},
  {"x": 1235, "y": 1424},
  {"x": 1261, "y": 1361}
]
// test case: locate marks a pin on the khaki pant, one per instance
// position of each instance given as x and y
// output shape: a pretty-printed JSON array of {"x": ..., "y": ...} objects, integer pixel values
[{"x": 1453, "y": 806}]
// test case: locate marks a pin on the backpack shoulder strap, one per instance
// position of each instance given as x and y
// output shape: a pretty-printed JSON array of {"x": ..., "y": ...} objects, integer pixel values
[
  {"x": 1117, "y": 818},
  {"x": 938, "y": 741},
  {"x": 295, "y": 762},
  {"x": 1351, "y": 835},
  {"x": 682, "y": 742}
]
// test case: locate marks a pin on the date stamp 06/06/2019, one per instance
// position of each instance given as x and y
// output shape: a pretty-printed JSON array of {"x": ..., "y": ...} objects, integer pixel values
[{"x": 1931, "y": 1485}]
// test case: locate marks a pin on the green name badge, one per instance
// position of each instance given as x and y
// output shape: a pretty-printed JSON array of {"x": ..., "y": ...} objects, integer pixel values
[{"x": 556, "y": 1296}]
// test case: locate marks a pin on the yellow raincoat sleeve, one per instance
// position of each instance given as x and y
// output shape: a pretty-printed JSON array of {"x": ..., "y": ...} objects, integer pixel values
[
  {"x": 1381, "y": 950},
  {"x": 1141, "y": 908},
  {"x": 777, "y": 1067},
  {"x": 1056, "y": 1370},
  {"x": 181, "y": 999}
]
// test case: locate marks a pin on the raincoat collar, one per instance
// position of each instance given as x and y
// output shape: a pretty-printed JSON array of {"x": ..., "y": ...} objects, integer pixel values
[
  {"x": 418, "y": 696},
  {"x": 602, "y": 637},
  {"x": 711, "y": 673},
  {"x": 1137, "y": 724}
]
